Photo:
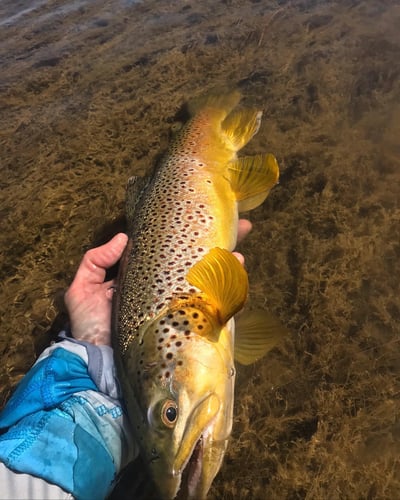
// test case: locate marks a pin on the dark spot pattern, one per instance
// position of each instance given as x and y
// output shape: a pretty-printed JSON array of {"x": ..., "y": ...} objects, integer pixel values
[
  {"x": 172, "y": 218},
  {"x": 161, "y": 352}
]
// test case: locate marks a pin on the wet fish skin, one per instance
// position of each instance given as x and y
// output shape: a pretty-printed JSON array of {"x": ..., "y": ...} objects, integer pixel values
[{"x": 179, "y": 288}]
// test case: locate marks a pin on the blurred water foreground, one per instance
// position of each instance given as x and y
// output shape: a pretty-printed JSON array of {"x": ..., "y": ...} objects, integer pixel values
[{"x": 89, "y": 95}]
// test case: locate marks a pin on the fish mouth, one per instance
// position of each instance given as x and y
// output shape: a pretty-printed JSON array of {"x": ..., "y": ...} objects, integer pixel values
[
  {"x": 191, "y": 474},
  {"x": 189, "y": 468},
  {"x": 197, "y": 425},
  {"x": 185, "y": 484},
  {"x": 194, "y": 466},
  {"x": 201, "y": 467}
]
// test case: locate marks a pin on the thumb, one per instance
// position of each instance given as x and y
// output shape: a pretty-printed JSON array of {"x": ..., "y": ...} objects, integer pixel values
[
  {"x": 107, "y": 255},
  {"x": 93, "y": 267}
]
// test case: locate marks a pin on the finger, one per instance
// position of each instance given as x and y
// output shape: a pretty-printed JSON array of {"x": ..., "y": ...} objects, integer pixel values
[
  {"x": 239, "y": 257},
  {"x": 108, "y": 254},
  {"x": 110, "y": 288},
  {"x": 244, "y": 227},
  {"x": 110, "y": 293},
  {"x": 97, "y": 260}
]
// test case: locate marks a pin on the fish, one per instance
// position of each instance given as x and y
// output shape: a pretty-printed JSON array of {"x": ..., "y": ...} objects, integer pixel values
[{"x": 179, "y": 288}]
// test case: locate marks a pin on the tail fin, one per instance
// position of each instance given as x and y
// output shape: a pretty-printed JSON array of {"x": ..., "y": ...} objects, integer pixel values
[{"x": 220, "y": 103}]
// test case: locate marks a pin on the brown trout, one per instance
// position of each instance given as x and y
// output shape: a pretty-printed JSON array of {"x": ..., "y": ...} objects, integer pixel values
[{"x": 179, "y": 288}]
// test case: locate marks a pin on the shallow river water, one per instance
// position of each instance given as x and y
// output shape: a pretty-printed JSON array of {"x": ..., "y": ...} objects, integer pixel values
[{"x": 89, "y": 94}]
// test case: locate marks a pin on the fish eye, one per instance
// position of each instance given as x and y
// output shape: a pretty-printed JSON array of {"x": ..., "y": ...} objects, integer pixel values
[{"x": 169, "y": 413}]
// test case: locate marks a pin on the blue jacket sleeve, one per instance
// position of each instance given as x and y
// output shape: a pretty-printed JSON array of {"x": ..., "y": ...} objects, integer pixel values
[
  {"x": 48, "y": 384},
  {"x": 58, "y": 426}
]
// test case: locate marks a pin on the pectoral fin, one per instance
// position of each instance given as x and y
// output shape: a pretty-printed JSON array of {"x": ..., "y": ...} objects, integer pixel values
[
  {"x": 256, "y": 333},
  {"x": 251, "y": 178},
  {"x": 221, "y": 277}
]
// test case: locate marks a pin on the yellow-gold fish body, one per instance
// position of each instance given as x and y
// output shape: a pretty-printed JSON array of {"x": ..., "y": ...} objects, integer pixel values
[{"x": 179, "y": 288}]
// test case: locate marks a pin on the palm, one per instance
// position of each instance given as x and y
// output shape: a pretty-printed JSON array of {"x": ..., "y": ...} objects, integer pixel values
[{"x": 89, "y": 297}]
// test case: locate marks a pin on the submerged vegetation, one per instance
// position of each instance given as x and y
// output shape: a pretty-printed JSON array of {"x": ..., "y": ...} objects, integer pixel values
[{"x": 90, "y": 93}]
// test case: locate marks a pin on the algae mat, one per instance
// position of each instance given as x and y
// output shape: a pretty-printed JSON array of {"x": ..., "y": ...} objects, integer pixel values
[{"x": 89, "y": 96}]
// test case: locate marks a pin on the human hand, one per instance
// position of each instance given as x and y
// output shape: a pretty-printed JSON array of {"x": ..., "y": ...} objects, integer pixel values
[
  {"x": 244, "y": 227},
  {"x": 89, "y": 298}
]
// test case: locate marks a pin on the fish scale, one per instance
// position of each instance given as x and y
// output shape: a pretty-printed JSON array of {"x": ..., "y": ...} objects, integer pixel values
[
  {"x": 169, "y": 237},
  {"x": 179, "y": 287}
]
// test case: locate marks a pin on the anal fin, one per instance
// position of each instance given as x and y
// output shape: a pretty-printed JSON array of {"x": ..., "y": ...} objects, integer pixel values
[
  {"x": 240, "y": 126},
  {"x": 252, "y": 178}
]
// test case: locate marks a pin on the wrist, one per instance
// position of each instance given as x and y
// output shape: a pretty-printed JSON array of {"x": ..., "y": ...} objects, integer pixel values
[{"x": 91, "y": 334}]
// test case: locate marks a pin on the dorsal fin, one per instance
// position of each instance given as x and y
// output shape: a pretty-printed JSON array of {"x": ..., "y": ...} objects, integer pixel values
[{"x": 134, "y": 190}]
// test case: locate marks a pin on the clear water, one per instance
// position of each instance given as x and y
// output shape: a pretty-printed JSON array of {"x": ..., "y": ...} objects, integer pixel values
[{"x": 89, "y": 94}]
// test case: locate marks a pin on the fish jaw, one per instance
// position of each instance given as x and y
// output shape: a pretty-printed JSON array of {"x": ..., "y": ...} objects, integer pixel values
[
  {"x": 202, "y": 466},
  {"x": 187, "y": 475},
  {"x": 188, "y": 460},
  {"x": 184, "y": 458}
]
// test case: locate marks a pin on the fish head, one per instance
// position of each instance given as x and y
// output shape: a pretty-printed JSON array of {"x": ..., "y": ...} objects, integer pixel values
[{"x": 180, "y": 400}]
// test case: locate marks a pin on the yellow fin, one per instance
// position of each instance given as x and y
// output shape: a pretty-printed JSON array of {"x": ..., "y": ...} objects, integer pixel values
[
  {"x": 256, "y": 333},
  {"x": 223, "y": 102},
  {"x": 251, "y": 178},
  {"x": 221, "y": 277},
  {"x": 240, "y": 126}
]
